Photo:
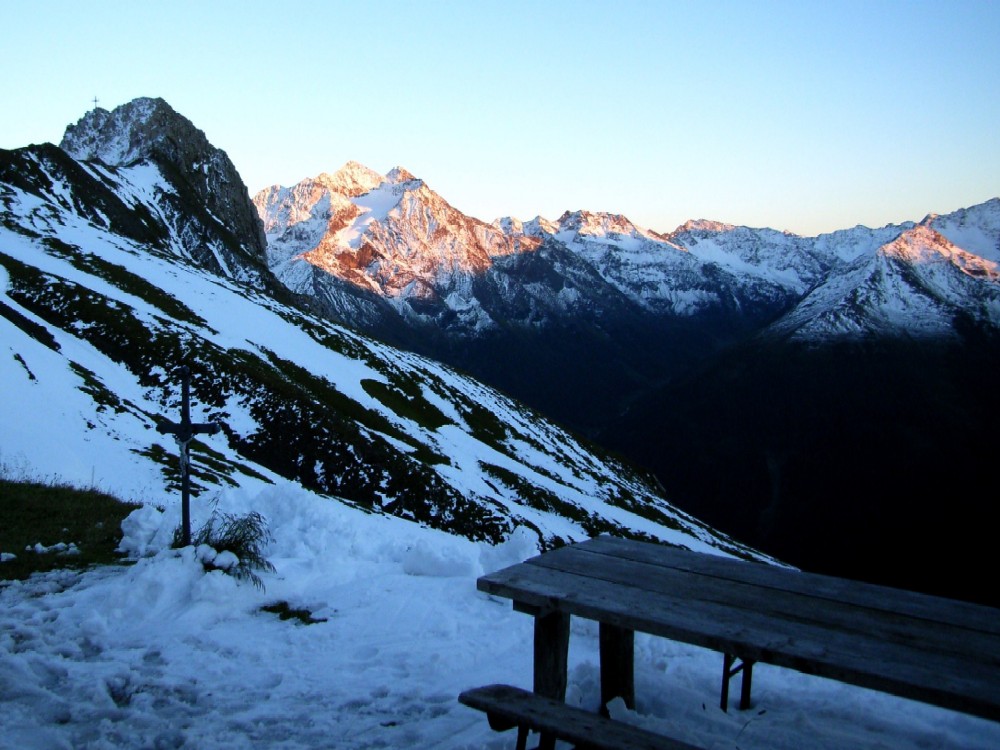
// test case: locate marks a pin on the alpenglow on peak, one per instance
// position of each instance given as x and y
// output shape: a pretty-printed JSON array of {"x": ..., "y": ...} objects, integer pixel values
[{"x": 352, "y": 179}]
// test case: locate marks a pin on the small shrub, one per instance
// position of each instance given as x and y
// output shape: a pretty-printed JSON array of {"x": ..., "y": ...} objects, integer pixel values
[{"x": 244, "y": 536}]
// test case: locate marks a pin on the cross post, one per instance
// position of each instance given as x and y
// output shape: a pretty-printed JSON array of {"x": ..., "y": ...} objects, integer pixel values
[{"x": 183, "y": 432}]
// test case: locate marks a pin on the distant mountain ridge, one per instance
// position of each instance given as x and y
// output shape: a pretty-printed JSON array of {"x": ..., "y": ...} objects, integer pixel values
[
  {"x": 395, "y": 259},
  {"x": 917, "y": 285},
  {"x": 404, "y": 242}
]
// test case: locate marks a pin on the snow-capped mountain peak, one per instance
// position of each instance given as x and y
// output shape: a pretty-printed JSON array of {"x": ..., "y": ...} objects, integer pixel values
[
  {"x": 586, "y": 224},
  {"x": 704, "y": 225},
  {"x": 537, "y": 227},
  {"x": 923, "y": 245},
  {"x": 352, "y": 179},
  {"x": 913, "y": 286},
  {"x": 975, "y": 229},
  {"x": 228, "y": 238},
  {"x": 398, "y": 175},
  {"x": 399, "y": 239},
  {"x": 125, "y": 135}
]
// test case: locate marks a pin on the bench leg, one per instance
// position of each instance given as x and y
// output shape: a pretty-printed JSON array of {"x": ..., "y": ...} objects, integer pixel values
[
  {"x": 728, "y": 672},
  {"x": 617, "y": 665},
  {"x": 551, "y": 654}
]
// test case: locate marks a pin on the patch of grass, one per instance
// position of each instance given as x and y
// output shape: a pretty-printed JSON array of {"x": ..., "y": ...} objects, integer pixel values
[
  {"x": 483, "y": 423},
  {"x": 36, "y": 513},
  {"x": 125, "y": 280},
  {"x": 94, "y": 388},
  {"x": 532, "y": 495},
  {"x": 170, "y": 468},
  {"x": 38, "y": 332},
  {"x": 323, "y": 334},
  {"x": 222, "y": 465},
  {"x": 407, "y": 401}
]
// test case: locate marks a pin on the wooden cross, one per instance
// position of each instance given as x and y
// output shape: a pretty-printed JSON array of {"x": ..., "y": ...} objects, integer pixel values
[
  {"x": 95, "y": 102},
  {"x": 183, "y": 432}
]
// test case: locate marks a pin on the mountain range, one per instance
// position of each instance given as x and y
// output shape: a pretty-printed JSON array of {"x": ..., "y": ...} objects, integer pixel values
[
  {"x": 132, "y": 249},
  {"x": 816, "y": 397},
  {"x": 630, "y": 307}
]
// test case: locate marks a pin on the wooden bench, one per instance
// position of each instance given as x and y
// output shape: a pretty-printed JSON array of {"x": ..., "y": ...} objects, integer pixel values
[
  {"x": 508, "y": 707},
  {"x": 920, "y": 647}
]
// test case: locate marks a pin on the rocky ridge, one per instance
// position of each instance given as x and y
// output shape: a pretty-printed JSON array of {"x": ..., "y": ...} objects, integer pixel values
[
  {"x": 401, "y": 241},
  {"x": 204, "y": 200}
]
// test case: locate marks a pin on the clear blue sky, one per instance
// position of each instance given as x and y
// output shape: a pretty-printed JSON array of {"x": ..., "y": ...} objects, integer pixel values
[{"x": 807, "y": 116}]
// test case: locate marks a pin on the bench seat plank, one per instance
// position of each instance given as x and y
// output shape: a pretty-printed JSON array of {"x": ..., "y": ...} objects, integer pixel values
[
  {"x": 908, "y": 670},
  {"x": 518, "y": 707}
]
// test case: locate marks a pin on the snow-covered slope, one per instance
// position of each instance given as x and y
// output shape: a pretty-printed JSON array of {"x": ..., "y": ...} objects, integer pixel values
[
  {"x": 94, "y": 320},
  {"x": 975, "y": 229},
  {"x": 162, "y": 654}
]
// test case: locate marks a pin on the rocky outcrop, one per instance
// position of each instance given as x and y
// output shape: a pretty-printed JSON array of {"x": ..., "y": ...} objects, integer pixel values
[{"x": 211, "y": 213}]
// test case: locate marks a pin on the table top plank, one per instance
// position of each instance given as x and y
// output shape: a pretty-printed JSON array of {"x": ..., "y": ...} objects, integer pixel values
[
  {"x": 900, "y": 601},
  {"x": 791, "y": 606},
  {"x": 944, "y": 675}
]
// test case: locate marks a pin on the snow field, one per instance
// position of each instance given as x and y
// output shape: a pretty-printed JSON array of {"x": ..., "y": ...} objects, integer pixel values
[{"x": 161, "y": 654}]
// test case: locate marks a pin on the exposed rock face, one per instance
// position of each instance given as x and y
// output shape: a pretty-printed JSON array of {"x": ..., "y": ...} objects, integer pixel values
[{"x": 218, "y": 226}]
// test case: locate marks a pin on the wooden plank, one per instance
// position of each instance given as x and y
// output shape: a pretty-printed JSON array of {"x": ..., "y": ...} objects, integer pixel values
[
  {"x": 640, "y": 579},
  {"x": 936, "y": 609},
  {"x": 943, "y": 680},
  {"x": 520, "y": 707},
  {"x": 959, "y": 613}
]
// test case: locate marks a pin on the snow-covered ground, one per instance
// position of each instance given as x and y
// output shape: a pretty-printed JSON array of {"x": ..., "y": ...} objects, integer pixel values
[{"x": 161, "y": 654}]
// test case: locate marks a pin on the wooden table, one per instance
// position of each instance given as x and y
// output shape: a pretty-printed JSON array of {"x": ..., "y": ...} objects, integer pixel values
[{"x": 929, "y": 649}]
